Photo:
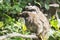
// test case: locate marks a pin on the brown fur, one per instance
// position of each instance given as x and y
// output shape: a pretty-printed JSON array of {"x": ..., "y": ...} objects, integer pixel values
[{"x": 36, "y": 21}]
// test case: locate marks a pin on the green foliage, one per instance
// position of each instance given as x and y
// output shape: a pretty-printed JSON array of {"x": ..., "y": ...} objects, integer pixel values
[
  {"x": 56, "y": 36},
  {"x": 54, "y": 23},
  {"x": 9, "y": 9},
  {"x": 47, "y": 6},
  {"x": 56, "y": 27},
  {"x": 1, "y": 24}
]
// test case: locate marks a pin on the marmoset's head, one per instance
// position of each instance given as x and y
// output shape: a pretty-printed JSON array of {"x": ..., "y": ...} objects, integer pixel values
[{"x": 31, "y": 8}]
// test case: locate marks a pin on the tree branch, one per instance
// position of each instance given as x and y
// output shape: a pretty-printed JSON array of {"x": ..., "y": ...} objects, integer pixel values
[
  {"x": 54, "y": 5},
  {"x": 18, "y": 35}
]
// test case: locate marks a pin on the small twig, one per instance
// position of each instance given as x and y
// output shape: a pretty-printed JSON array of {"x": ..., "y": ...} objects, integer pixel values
[
  {"x": 17, "y": 35},
  {"x": 54, "y": 5},
  {"x": 57, "y": 15}
]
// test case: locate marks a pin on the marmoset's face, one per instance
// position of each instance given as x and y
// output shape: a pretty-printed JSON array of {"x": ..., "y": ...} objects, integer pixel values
[{"x": 24, "y": 15}]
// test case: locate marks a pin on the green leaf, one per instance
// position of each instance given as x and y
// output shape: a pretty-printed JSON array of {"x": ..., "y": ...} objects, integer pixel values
[
  {"x": 38, "y": 3},
  {"x": 54, "y": 23},
  {"x": 47, "y": 6},
  {"x": 1, "y": 24}
]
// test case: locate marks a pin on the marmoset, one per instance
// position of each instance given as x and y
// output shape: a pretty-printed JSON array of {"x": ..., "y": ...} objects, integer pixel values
[{"x": 36, "y": 21}]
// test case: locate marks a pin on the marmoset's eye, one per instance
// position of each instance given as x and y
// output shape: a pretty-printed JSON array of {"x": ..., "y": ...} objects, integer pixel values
[
  {"x": 32, "y": 10},
  {"x": 25, "y": 15}
]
